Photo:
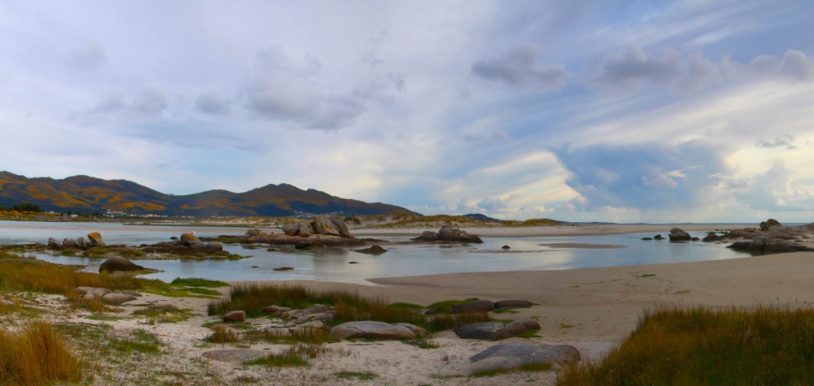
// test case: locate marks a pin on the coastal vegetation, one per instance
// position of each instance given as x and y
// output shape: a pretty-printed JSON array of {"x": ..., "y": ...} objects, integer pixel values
[
  {"x": 36, "y": 355},
  {"x": 702, "y": 346},
  {"x": 252, "y": 298}
]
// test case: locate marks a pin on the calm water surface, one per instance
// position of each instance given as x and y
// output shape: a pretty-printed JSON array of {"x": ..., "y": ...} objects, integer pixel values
[{"x": 402, "y": 260}]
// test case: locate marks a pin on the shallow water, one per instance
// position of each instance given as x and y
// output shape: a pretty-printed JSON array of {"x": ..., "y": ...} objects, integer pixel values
[{"x": 526, "y": 253}]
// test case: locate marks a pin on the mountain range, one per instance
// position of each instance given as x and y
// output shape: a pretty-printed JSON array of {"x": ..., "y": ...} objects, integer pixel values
[{"x": 84, "y": 194}]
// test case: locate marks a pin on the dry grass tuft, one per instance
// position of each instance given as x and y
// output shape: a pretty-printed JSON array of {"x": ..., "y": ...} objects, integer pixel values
[
  {"x": 766, "y": 346},
  {"x": 36, "y": 356}
]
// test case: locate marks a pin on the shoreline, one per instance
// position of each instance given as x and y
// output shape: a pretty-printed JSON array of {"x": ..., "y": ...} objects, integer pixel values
[
  {"x": 604, "y": 304},
  {"x": 550, "y": 231}
]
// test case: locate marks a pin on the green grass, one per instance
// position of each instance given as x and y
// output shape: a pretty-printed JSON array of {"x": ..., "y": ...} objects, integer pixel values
[
  {"x": 139, "y": 341},
  {"x": 526, "y": 367},
  {"x": 195, "y": 282},
  {"x": 765, "y": 346},
  {"x": 349, "y": 306},
  {"x": 445, "y": 307},
  {"x": 361, "y": 376},
  {"x": 295, "y": 356}
]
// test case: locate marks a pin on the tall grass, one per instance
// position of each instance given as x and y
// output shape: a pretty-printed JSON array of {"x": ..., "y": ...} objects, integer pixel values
[
  {"x": 349, "y": 306},
  {"x": 33, "y": 275},
  {"x": 36, "y": 356},
  {"x": 766, "y": 346}
]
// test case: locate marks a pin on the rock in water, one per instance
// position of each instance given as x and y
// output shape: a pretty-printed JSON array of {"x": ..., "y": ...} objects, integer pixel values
[
  {"x": 372, "y": 250},
  {"x": 341, "y": 227},
  {"x": 427, "y": 236},
  {"x": 677, "y": 234},
  {"x": 190, "y": 240},
  {"x": 118, "y": 264},
  {"x": 371, "y": 330},
  {"x": 507, "y": 356},
  {"x": 768, "y": 224},
  {"x": 69, "y": 243},
  {"x": 95, "y": 239}
]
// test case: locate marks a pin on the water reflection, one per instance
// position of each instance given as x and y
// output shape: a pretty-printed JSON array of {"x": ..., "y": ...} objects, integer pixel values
[{"x": 401, "y": 260}]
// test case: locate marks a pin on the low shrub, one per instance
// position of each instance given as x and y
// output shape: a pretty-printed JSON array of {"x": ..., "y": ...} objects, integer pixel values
[{"x": 37, "y": 355}]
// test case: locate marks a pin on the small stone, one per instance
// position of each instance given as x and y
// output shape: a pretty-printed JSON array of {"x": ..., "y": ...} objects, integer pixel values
[
  {"x": 234, "y": 316},
  {"x": 513, "y": 303}
]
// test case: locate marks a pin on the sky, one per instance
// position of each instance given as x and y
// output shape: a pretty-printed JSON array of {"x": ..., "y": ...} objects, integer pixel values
[{"x": 626, "y": 111}]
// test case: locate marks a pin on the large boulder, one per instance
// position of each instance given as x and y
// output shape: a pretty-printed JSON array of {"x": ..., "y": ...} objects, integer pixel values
[
  {"x": 54, "y": 244},
  {"x": 495, "y": 330},
  {"x": 291, "y": 228},
  {"x": 324, "y": 226},
  {"x": 427, "y": 236},
  {"x": 69, "y": 243},
  {"x": 81, "y": 243},
  {"x": 482, "y": 331},
  {"x": 95, "y": 239},
  {"x": 190, "y": 240},
  {"x": 768, "y": 224},
  {"x": 371, "y": 330},
  {"x": 341, "y": 227},
  {"x": 506, "y": 356},
  {"x": 304, "y": 229},
  {"x": 119, "y": 264},
  {"x": 473, "y": 306},
  {"x": 678, "y": 234}
]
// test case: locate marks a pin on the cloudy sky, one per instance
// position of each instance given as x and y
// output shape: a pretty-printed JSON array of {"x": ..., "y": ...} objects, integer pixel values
[{"x": 577, "y": 110}]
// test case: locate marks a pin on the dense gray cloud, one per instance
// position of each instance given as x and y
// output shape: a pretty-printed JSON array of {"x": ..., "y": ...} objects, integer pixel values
[
  {"x": 285, "y": 89},
  {"x": 521, "y": 67},
  {"x": 212, "y": 104},
  {"x": 786, "y": 141},
  {"x": 645, "y": 176},
  {"x": 632, "y": 67}
]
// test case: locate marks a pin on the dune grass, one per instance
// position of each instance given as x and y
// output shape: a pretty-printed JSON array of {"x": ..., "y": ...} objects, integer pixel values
[
  {"x": 765, "y": 346},
  {"x": 349, "y": 306},
  {"x": 34, "y": 356}
]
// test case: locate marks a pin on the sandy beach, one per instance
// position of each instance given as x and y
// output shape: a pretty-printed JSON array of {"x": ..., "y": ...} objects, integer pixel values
[{"x": 603, "y": 304}]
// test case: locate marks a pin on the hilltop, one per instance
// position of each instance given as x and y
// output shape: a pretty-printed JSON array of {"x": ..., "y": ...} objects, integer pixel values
[{"x": 85, "y": 194}]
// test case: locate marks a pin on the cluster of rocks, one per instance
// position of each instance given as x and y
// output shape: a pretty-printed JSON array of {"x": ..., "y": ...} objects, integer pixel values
[
  {"x": 187, "y": 243},
  {"x": 107, "y": 296},
  {"x": 769, "y": 237},
  {"x": 448, "y": 233},
  {"x": 318, "y": 226},
  {"x": 94, "y": 239}
]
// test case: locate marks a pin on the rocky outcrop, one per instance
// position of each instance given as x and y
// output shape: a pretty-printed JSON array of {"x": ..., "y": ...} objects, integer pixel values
[
  {"x": 327, "y": 226},
  {"x": 302, "y": 235},
  {"x": 369, "y": 329},
  {"x": 678, "y": 235},
  {"x": 188, "y": 243},
  {"x": 119, "y": 264},
  {"x": 54, "y": 244},
  {"x": 507, "y": 356},
  {"x": 448, "y": 233},
  {"x": 770, "y": 237}
]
